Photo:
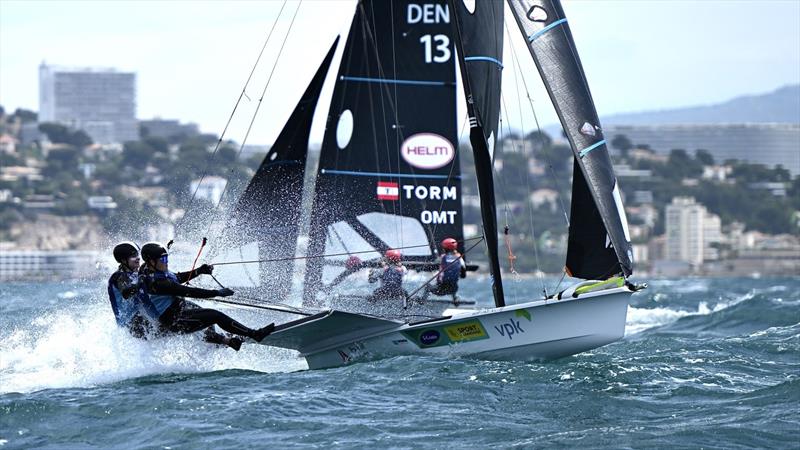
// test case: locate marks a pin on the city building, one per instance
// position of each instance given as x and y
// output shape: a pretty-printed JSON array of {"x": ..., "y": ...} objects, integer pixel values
[
  {"x": 770, "y": 144},
  {"x": 167, "y": 129},
  {"x": 46, "y": 264},
  {"x": 691, "y": 232},
  {"x": 100, "y": 101}
]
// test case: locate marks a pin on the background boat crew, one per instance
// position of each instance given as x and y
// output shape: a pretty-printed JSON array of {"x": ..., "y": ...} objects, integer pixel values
[
  {"x": 175, "y": 314},
  {"x": 451, "y": 268},
  {"x": 390, "y": 274}
]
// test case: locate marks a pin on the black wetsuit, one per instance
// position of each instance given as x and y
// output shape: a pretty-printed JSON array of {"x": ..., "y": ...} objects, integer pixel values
[{"x": 176, "y": 315}]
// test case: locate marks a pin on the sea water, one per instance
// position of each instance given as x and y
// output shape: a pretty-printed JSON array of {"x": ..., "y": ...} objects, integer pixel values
[{"x": 705, "y": 363}]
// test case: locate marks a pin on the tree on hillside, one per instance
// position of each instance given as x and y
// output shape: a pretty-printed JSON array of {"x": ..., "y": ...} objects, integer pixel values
[
  {"x": 25, "y": 115},
  {"x": 704, "y": 156},
  {"x": 623, "y": 144},
  {"x": 60, "y": 134},
  {"x": 539, "y": 140},
  {"x": 137, "y": 154},
  {"x": 681, "y": 165}
]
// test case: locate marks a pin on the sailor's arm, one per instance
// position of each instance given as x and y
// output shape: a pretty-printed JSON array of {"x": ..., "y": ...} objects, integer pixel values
[
  {"x": 183, "y": 277},
  {"x": 127, "y": 284},
  {"x": 167, "y": 287}
]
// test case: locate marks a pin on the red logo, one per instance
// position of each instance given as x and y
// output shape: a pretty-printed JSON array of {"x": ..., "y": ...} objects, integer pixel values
[{"x": 388, "y": 191}]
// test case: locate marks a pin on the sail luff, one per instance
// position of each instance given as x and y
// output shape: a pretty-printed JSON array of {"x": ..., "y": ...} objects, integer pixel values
[
  {"x": 590, "y": 254},
  {"x": 480, "y": 146}
]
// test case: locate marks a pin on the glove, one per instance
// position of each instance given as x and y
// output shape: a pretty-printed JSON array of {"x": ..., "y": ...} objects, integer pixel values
[
  {"x": 205, "y": 269},
  {"x": 224, "y": 292}
]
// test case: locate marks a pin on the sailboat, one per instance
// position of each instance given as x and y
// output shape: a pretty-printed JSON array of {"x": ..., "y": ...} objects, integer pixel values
[{"x": 389, "y": 177}]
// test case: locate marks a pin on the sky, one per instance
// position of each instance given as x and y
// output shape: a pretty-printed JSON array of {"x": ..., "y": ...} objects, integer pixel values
[{"x": 192, "y": 58}]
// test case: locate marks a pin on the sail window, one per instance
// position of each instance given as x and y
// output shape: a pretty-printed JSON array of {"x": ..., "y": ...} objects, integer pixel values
[
  {"x": 344, "y": 129},
  {"x": 398, "y": 232},
  {"x": 537, "y": 14},
  {"x": 273, "y": 156},
  {"x": 470, "y": 5}
]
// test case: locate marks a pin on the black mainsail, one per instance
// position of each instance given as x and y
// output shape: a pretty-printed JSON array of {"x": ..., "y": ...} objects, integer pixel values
[
  {"x": 389, "y": 173},
  {"x": 599, "y": 243},
  {"x": 269, "y": 209},
  {"x": 479, "y": 42}
]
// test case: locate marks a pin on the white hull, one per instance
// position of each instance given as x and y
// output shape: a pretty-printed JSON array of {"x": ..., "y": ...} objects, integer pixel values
[{"x": 533, "y": 331}]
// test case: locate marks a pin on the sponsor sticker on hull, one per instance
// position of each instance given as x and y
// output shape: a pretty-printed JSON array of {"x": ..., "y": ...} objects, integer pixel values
[
  {"x": 466, "y": 331},
  {"x": 427, "y": 151}
]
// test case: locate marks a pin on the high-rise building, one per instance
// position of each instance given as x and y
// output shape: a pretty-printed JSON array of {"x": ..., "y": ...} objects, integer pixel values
[
  {"x": 102, "y": 102},
  {"x": 691, "y": 230}
]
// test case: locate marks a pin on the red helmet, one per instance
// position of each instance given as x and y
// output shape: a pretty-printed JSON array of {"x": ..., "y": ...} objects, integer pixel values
[
  {"x": 393, "y": 255},
  {"x": 450, "y": 244},
  {"x": 352, "y": 262}
]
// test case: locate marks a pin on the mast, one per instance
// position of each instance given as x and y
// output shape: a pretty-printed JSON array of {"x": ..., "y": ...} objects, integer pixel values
[
  {"x": 483, "y": 111},
  {"x": 268, "y": 210},
  {"x": 599, "y": 242}
]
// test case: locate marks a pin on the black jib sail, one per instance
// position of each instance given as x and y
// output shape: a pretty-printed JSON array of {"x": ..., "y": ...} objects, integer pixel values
[
  {"x": 599, "y": 243},
  {"x": 389, "y": 173},
  {"x": 480, "y": 47},
  {"x": 268, "y": 212}
]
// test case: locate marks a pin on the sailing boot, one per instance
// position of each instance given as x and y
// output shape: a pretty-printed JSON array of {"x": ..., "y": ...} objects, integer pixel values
[
  {"x": 257, "y": 335},
  {"x": 233, "y": 342}
]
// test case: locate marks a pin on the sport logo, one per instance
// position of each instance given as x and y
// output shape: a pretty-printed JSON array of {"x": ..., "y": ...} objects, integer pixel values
[
  {"x": 388, "y": 191},
  {"x": 429, "y": 337},
  {"x": 427, "y": 151}
]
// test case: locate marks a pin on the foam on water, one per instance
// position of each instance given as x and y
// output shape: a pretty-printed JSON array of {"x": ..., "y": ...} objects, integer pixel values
[{"x": 66, "y": 349}]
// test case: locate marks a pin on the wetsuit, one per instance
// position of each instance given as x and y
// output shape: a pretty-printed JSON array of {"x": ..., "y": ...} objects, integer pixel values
[
  {"x": 391, "y": 283},
  {"x": 451, "y": 269},
  {"x": 130, "y": 306},
  {"x": 175, "y": 315}
]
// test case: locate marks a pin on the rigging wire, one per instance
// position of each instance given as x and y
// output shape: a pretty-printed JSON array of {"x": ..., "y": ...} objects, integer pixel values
[
  {"x": 258, "y": 107},
  {"x": 331, "y": 255},
  {"x": 538, "y": 129},
  {"x": 230, "y": 118}
]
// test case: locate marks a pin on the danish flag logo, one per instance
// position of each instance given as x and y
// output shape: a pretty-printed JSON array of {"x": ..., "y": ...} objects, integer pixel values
[{"x": 388, "y": 191}]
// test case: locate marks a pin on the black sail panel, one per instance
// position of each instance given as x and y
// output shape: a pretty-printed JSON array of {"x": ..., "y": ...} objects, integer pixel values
[
  {"x": 479, "y": 42},
  {"x": 389, "y": 174},
  {"x": 481, "y": 32},
  {"x": 550, "y": 42},
  {"x": 268, "y": 212}
]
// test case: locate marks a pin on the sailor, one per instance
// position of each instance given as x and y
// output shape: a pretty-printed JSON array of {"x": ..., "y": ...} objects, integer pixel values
[
  {"x": 390, "y": 274},
  {"x": 176, "y": 315},
  {"x": 130, "y": 308},
  {"x": 451, "y": 268}
]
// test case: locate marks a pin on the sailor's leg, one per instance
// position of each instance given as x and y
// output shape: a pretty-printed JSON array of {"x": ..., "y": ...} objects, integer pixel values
[{"x": 192, "y": 320}]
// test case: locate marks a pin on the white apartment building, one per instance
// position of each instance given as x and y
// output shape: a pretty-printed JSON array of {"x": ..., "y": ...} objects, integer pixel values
[
  {"x": 691, "y": 230},
  {"x": 100, "y": 101},
  {"x": 40, "y": 264}
]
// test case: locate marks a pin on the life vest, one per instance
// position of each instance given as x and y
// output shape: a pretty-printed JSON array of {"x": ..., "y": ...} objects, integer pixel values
[
  {"x": 161, "y": 302},
  {"x": 392, "y": 277},
  {"x": 124, "y": 308},
  {"x": 451, "y": 268}
]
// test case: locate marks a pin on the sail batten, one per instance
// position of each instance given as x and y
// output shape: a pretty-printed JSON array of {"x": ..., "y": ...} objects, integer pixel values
[{"x": 598, "y": 243}]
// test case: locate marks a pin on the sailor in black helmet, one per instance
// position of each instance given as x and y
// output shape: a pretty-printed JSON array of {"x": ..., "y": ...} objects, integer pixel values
[
  {"x": 123, "y": 291},
  {"x": 173, "y": 313}
]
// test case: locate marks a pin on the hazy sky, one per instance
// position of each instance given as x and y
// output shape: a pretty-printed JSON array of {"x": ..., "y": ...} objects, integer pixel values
[{"x": 193, "y": 57}]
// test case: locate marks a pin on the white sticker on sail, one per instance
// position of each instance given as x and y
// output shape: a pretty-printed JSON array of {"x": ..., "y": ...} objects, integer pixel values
[
  {"x": 427, "y": 151},
  {"x": 344, "y": 129},
  {"x": 490, "y": 145},
  {"x": 621, "y": 210}
]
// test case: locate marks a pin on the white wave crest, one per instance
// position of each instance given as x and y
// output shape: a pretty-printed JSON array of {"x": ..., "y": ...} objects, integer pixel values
[{"x": 66, "y": 349}]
